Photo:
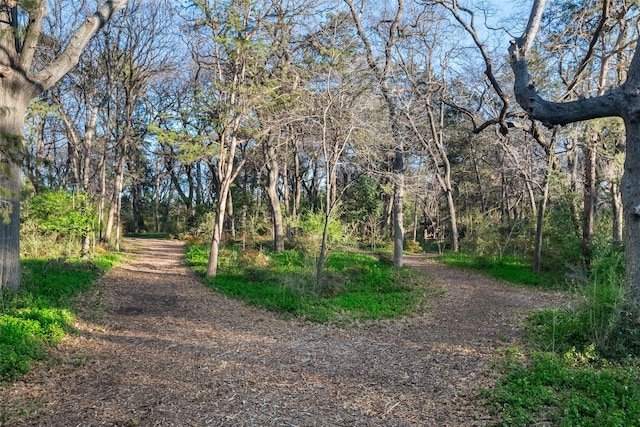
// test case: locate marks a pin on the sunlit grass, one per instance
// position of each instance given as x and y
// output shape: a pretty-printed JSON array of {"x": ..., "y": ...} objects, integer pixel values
[
  {"x": 353, "y": 285},
  {"x": 40, "y": 313},
  {"x": 513, "y": 270}
]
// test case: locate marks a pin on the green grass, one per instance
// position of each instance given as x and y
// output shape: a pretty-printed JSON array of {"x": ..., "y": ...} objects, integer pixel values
[
  {"x": 582, "y": 363},
  {"x": 40, "y": 313},
  {"x": 353, "y": 286},
  {"x": 509, "y": 269},
  {"x": 570, "y": 389}
]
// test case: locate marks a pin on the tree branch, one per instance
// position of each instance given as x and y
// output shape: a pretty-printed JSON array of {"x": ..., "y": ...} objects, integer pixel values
[
  {"x": 70, "y": 57},
  {"x": 32, "y": 36},
  {"x": 592, "y": 45},
  {"x": 554, "y": 113}
]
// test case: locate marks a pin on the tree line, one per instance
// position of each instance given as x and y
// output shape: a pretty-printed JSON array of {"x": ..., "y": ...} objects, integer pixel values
[{"x": 399, "y": 120}]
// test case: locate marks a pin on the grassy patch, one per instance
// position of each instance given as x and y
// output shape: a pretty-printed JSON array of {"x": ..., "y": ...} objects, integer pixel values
[
  {"x": 353, "y": 286},
  {"x": 584, "y": 369},
  {"x": 40, "y": 313},
  {"x": 509, "y": 269},
  {"x": 569, "y": 389}
]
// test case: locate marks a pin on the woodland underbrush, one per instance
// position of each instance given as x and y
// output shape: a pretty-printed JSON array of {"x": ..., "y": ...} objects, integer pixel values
[
  {"x": 37, "y": 316},
  {"x": 581, "y": 362}
]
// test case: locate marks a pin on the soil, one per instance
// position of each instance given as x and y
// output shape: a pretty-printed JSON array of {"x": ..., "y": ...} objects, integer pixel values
[{"x": 155, "y": 347}]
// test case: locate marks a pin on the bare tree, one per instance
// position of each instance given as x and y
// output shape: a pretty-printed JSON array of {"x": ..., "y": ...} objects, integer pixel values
[{"x": 382, "y": 71}]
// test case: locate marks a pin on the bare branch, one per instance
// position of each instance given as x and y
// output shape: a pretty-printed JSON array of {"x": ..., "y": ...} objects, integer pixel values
[
  {"x": 594, "y": 39},
  {"x": 32, "y": 36},
  {"x": 533, "y": 25},
  {"x": 71, "y": 55}
]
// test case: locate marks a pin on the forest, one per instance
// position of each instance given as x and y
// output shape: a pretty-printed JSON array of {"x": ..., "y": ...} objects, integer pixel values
[{"x": 493, "y": 133}]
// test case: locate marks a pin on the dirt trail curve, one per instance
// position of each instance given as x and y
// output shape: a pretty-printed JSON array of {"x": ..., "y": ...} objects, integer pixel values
[{"x": 170, "y": 352}]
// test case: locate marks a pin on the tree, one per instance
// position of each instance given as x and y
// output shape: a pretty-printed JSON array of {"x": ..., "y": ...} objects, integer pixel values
[
  {"x": 621, "y": 101},
  {"x": 22, "y": 78},
  {"x": 382, "y": 71},
  {"x": 230, "y": 52}
]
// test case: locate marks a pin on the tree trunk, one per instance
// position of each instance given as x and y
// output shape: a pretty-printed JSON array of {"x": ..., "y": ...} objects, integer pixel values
[
  {"x": 630, "y": 189},
  {"x": 274, "y": 200},
  {"x": 230, "y": 216},
  {"x": 618, "y": 214},
  {"x": 11, "y": 149},
  {"x": 454, "y": 237},
  {"x": 216, "y": 238},
  {"x": 398, "y": 195},
  {"x": 286, "y": 191},
  {"x": 322, "y": 256},
  {"x": 103, "y": 195},
  {"x": 156, "y": 200},
  {"x": 115, "y": 199},
  {"x": 542, "y": 207},
  {"x": 589, "y": 207}
]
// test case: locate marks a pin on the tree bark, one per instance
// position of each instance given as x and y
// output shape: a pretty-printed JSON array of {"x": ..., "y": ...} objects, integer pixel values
[
  {"x": 630, "y": 189},
  {"x": 273, "y": 175},
  {"x": 11, "y": 148}
]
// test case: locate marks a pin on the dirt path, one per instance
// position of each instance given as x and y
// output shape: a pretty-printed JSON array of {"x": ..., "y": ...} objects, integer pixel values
[{"x": 170, "y": 352}]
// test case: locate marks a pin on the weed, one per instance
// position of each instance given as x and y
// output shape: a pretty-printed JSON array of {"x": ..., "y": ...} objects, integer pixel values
[{"x": 574, "y": 388}]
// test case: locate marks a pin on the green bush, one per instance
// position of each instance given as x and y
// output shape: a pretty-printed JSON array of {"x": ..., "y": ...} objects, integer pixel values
[
  {"x": 54, "y": 223},
  {"x": 600, "y": 315}
]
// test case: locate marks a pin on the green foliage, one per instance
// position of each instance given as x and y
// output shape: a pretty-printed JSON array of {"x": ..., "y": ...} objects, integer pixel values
[
  {"x": 55, "y": 221},
  {"x": 363, "y": 206},
  {"x": 40, "y": 313},
  {"x": 585, "y": 365},
  {"x": 61, "y": 212},
  {"x": 562, "y": 237},
  {"x": 494, "y": 238},
  {"x": 509, "y": 269},
  {"x": 570, "y": 389},
  {"x": 355, "y": 286},
  {"x": 600, "y": 316}
]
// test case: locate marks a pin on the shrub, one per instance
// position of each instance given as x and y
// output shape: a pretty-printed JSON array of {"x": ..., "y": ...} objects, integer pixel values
[{"x": 54, "y": 223}]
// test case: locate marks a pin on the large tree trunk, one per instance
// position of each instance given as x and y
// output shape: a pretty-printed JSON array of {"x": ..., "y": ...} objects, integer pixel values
[
  {"x": 13, "y": 107},
  {"x": 630, "y": 189}
]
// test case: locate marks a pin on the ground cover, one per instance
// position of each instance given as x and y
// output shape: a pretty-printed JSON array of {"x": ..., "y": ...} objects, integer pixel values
[
  {"x": 41, "y": 313},
  {"x": 353, "y": 285}
]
